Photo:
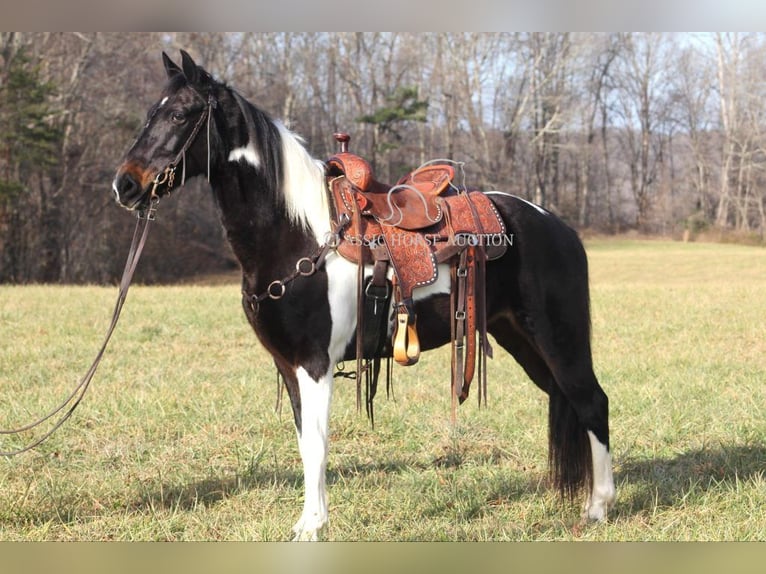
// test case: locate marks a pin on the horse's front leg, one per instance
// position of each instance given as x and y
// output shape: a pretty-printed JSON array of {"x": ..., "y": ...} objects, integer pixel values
[{"x": 313, "y": 437}]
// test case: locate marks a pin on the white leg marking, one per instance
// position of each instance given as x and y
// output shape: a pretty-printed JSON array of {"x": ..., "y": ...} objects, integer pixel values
[
  {"x": 313, "y": 443},
  {"x": 603, "y": 494},
  {"x": 316, "y": 397}
]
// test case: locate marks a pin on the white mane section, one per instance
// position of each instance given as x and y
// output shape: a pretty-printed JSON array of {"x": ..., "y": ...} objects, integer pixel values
[{"x": 304, "y": 185}]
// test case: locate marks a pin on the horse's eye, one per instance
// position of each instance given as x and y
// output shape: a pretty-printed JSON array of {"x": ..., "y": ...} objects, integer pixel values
[{"x": 177, "y": 117}]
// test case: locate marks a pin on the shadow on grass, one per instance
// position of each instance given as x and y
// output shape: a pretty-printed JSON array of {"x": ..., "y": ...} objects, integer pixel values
[
  {"x": 654, "y": 482},
  {"x": 665, "y": 482},
  {"x": 281, "y": 478},
  {"x": 214, "y": 489}
]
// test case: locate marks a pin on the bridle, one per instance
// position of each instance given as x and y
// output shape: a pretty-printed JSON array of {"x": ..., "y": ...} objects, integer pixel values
[
  {"x": 167, "y": 176},
  {"x": 145, "y": 216}
]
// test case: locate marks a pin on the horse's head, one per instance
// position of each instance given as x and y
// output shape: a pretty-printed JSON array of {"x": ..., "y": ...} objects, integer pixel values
[{"x": 175, "y": 138}]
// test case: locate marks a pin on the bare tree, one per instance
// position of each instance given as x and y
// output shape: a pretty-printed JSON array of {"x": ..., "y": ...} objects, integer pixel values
[
  {"x": 740, "y": 90},
  {"x": 640, "y": 77},
  {"x": 597, "y": 53},
  {"x": 604, "y": 128},
  {"x": 693, "y": 109}
]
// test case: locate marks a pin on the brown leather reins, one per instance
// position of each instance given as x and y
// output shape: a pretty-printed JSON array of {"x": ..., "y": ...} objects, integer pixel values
[
  {"x": 75, "y": 397},
  {"x": 166, "y": 179}
]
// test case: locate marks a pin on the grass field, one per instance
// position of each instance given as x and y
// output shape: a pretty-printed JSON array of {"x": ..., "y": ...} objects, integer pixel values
[{"x": 178, "y": 438}]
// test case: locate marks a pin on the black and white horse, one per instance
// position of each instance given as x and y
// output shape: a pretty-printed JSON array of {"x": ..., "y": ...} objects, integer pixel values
[{"x": 275, "y": 208}]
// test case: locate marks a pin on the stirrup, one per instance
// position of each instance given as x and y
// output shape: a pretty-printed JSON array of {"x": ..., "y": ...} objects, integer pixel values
[{"x": 406, "y": 343}]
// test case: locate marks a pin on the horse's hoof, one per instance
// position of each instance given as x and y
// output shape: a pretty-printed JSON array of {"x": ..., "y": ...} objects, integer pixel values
[
  {"x": 594, "y": 514},
  {"x": 305, "y": 536},
  {"x": 304, "y": 532},
  {"x": 596, "y": 507}
]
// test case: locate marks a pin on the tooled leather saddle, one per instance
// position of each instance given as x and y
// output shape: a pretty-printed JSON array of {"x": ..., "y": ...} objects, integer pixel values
[{"x": 414, "y": 226}]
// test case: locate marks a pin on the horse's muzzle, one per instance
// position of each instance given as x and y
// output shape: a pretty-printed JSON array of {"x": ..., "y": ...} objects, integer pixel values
[
  {"x": 126, "y": 190},
  {"x": 131, "y": 187}
]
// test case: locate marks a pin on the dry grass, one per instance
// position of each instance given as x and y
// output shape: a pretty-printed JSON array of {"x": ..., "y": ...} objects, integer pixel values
[{"x": 178, "y": 438}]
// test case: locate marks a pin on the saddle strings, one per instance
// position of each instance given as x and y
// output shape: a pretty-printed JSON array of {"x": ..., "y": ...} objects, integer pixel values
[
  {"x": 393, "y": 207},
  {"x": 460, "y": 165}
]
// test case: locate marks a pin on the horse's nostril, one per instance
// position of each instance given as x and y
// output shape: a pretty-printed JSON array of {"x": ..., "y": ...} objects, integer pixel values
[
  {"x": 128, "y": 185},
  {"x": 125, "y": 188}
]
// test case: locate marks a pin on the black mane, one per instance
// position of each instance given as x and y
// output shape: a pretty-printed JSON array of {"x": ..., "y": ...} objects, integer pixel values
[{"x": 263, "y": 134}]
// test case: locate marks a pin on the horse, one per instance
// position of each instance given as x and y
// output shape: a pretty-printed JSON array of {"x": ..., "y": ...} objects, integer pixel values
[{"x": 272, "y": 198}]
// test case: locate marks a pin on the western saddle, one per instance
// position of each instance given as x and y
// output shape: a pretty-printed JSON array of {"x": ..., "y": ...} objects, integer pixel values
[{"x": 414, "y": 226}]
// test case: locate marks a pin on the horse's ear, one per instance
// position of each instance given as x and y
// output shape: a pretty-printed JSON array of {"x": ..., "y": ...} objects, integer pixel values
[
  {"x": 191, "y": 71},
  {"x": 170, "y": 66}
]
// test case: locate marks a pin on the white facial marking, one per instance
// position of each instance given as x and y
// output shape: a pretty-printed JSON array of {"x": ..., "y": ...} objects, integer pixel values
[
  {"x": 603, "y": 494},
  {"x": 114, "y": 189},
  {"x": 247, "y": 153},
  {"x": 164, "y": 101}
]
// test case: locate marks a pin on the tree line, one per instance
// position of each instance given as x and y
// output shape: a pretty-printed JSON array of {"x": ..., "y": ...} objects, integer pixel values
[{"x": 655, "y": 132}]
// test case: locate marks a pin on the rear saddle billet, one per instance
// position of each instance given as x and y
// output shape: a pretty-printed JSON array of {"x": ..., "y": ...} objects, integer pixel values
[{"x": 422, "y": 221}]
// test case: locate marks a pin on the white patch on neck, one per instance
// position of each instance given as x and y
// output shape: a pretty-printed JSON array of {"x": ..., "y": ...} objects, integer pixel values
[
  {"x": 303, "y": 186},
  {"x": 537, "y": 207},
  {"x": 247, "y": 153}
]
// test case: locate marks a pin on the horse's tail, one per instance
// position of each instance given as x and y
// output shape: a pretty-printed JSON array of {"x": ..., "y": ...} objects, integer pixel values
[{"x": 569, "y": 455}]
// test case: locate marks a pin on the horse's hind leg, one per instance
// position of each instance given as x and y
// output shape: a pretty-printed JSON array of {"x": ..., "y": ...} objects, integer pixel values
[
  {"x": 513, "y": 341},
  {"x": 576, "y": 411},
  {"x": 590, "y": 403},
  {"x": 584, "y": 396},
  {"x": 603, "y": 492}
]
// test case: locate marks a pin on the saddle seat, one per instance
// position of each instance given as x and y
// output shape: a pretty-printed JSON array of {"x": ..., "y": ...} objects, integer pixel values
[{"x": 410, "y": 204}]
